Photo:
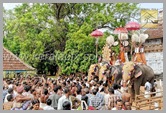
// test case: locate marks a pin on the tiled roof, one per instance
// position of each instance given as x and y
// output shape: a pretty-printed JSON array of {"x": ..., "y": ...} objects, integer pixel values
[
  {"x": 12, "y": 63},
  {"x": 155, "y": 33}
]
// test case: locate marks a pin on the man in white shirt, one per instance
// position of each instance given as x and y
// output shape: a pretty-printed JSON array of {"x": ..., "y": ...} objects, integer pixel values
[
  {"x": 65, "y": 97},
  {"x": 148, "y": 87},
  {"x": 10, "y": 92},
  {"x": 48, "y": 106}
]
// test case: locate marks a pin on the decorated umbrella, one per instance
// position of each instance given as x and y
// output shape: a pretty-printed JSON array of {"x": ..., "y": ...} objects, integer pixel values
[
  {"x": 96, "y": 34},
  {"x": 133, "y": 26},
  {"x": 122, "y": 32}
]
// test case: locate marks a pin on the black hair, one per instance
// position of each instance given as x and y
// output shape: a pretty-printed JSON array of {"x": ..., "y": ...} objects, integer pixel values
[
  {"x": 59, "y": 87},
  {"x": 56, "y": 89},
  {"x": 49, "y": 102},
  {"x": 111, "y": 90},
  {"x": 100, "y": 82},
  {"x": 105, "y": 84},
  {"x": 32, "y": 91},
  {"x": 64, "y": 83},
  {"x": 119, "y": 100},
  {"x": 94, "y": 91},
  {"x": 66, "y": 90},
  {"x": 35, "y": 101},
  {"x": 9, "y": 97},
  {"x": 66, "y": 105},
  {"x": 79, "y": 91},
  {"x": 102, "y": 89},
  {"x": 85, "y": 98},
  {"x": 68, "y": 81},
  {"x": 116, "y": 86},
  {"x": 45, "y": 91},
  {"x": 46, "y": 85},
  {"x": 17, "y": 83},
  {"x": 24, "y": 83},
  {"x": 87, "y": 91},
  {"x": 27, "y": 88},
  {"x": 75, "y": 83},
  {"x": 93, "y": 73},
  {"x": 10, "y": 90},
  {"x": 84, "y": 84}
]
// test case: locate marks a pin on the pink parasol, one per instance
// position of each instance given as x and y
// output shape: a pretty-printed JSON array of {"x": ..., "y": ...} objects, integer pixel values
[
  {"x": 132, "y": 26},
  {"x": 120, "y": 30},
  {"x": 96, "y": 33}
]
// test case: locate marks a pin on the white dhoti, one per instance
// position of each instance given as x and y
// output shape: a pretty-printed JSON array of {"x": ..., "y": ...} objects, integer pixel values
[{"x": 147, "y": 95}]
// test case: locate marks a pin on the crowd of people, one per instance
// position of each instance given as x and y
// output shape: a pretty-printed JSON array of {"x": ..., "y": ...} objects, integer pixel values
[{"x": 64, "y": 93}]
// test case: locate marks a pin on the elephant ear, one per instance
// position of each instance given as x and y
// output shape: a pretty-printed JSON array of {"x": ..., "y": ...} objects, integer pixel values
[{"x": 138, "y": 74}]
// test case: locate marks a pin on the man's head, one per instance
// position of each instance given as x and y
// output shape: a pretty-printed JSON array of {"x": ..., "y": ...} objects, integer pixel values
[
  {"x": 45, "y": 91},
  {"x": 56, "y": 89},
  {"x": 86, "y": 90},
  {"x": 83, "y": 91},
  {"x": 10, "y": 98},
  {"x": 94, "y": 91},
  {"x": 111, "y": 90},
  {"x": 10, "y": 90},
  {"x": 127, "y": 105},
  {"x": 27, "y": 88},
  {"x": 48, "y": 102},
  {"x": 116, "y": 86},
  {"x": 67, "y": 90},
  {"x": 66, "y": 105},
  {"x": 119, "y": 104}
]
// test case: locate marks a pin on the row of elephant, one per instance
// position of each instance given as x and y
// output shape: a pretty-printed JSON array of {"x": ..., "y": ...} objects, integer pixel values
[{"x": 129, "y": 73}]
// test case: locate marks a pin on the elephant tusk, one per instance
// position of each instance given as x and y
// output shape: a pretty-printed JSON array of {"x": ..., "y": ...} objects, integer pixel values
[{"x": 128, "y": 82}]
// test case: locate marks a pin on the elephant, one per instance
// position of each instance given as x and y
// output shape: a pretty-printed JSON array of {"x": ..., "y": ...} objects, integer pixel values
[
  {"x": 136, "y": 76},
  {"x": 115, "y": 73},
  {"x": 97, "y": 70}
]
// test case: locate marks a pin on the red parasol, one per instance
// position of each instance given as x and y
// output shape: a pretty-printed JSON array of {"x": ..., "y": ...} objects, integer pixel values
[
  {"x": 120, "y": 30},
  {"x": 96, "y": 33},
  {"x": 132, "y": 26}
]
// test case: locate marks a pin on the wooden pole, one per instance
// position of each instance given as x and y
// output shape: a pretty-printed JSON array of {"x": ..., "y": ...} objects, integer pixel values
[{"x": 96, "y": 48}]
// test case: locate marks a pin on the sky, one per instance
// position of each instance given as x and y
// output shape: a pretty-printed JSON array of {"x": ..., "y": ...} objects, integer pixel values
[{"x": 142, "y": 5}]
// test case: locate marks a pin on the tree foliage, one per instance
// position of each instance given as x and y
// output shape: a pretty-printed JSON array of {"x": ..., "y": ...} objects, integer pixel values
[{"x": 48, "y": 36}]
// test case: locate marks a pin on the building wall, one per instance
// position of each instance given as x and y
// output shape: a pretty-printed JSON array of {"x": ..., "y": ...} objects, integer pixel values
[{"x": 155, "y": 61}]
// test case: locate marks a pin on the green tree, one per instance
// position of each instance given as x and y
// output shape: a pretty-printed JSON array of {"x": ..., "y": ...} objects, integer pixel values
[
  {"x": 38, "y": 31},
  {"x": 100, "y": 16}
]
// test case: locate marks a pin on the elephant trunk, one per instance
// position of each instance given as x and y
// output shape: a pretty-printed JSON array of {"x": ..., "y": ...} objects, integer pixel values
[{"x": 125, "y": 83}]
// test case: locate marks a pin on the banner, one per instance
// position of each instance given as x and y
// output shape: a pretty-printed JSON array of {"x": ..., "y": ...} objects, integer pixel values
[{"x": 149, "y": 18}]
